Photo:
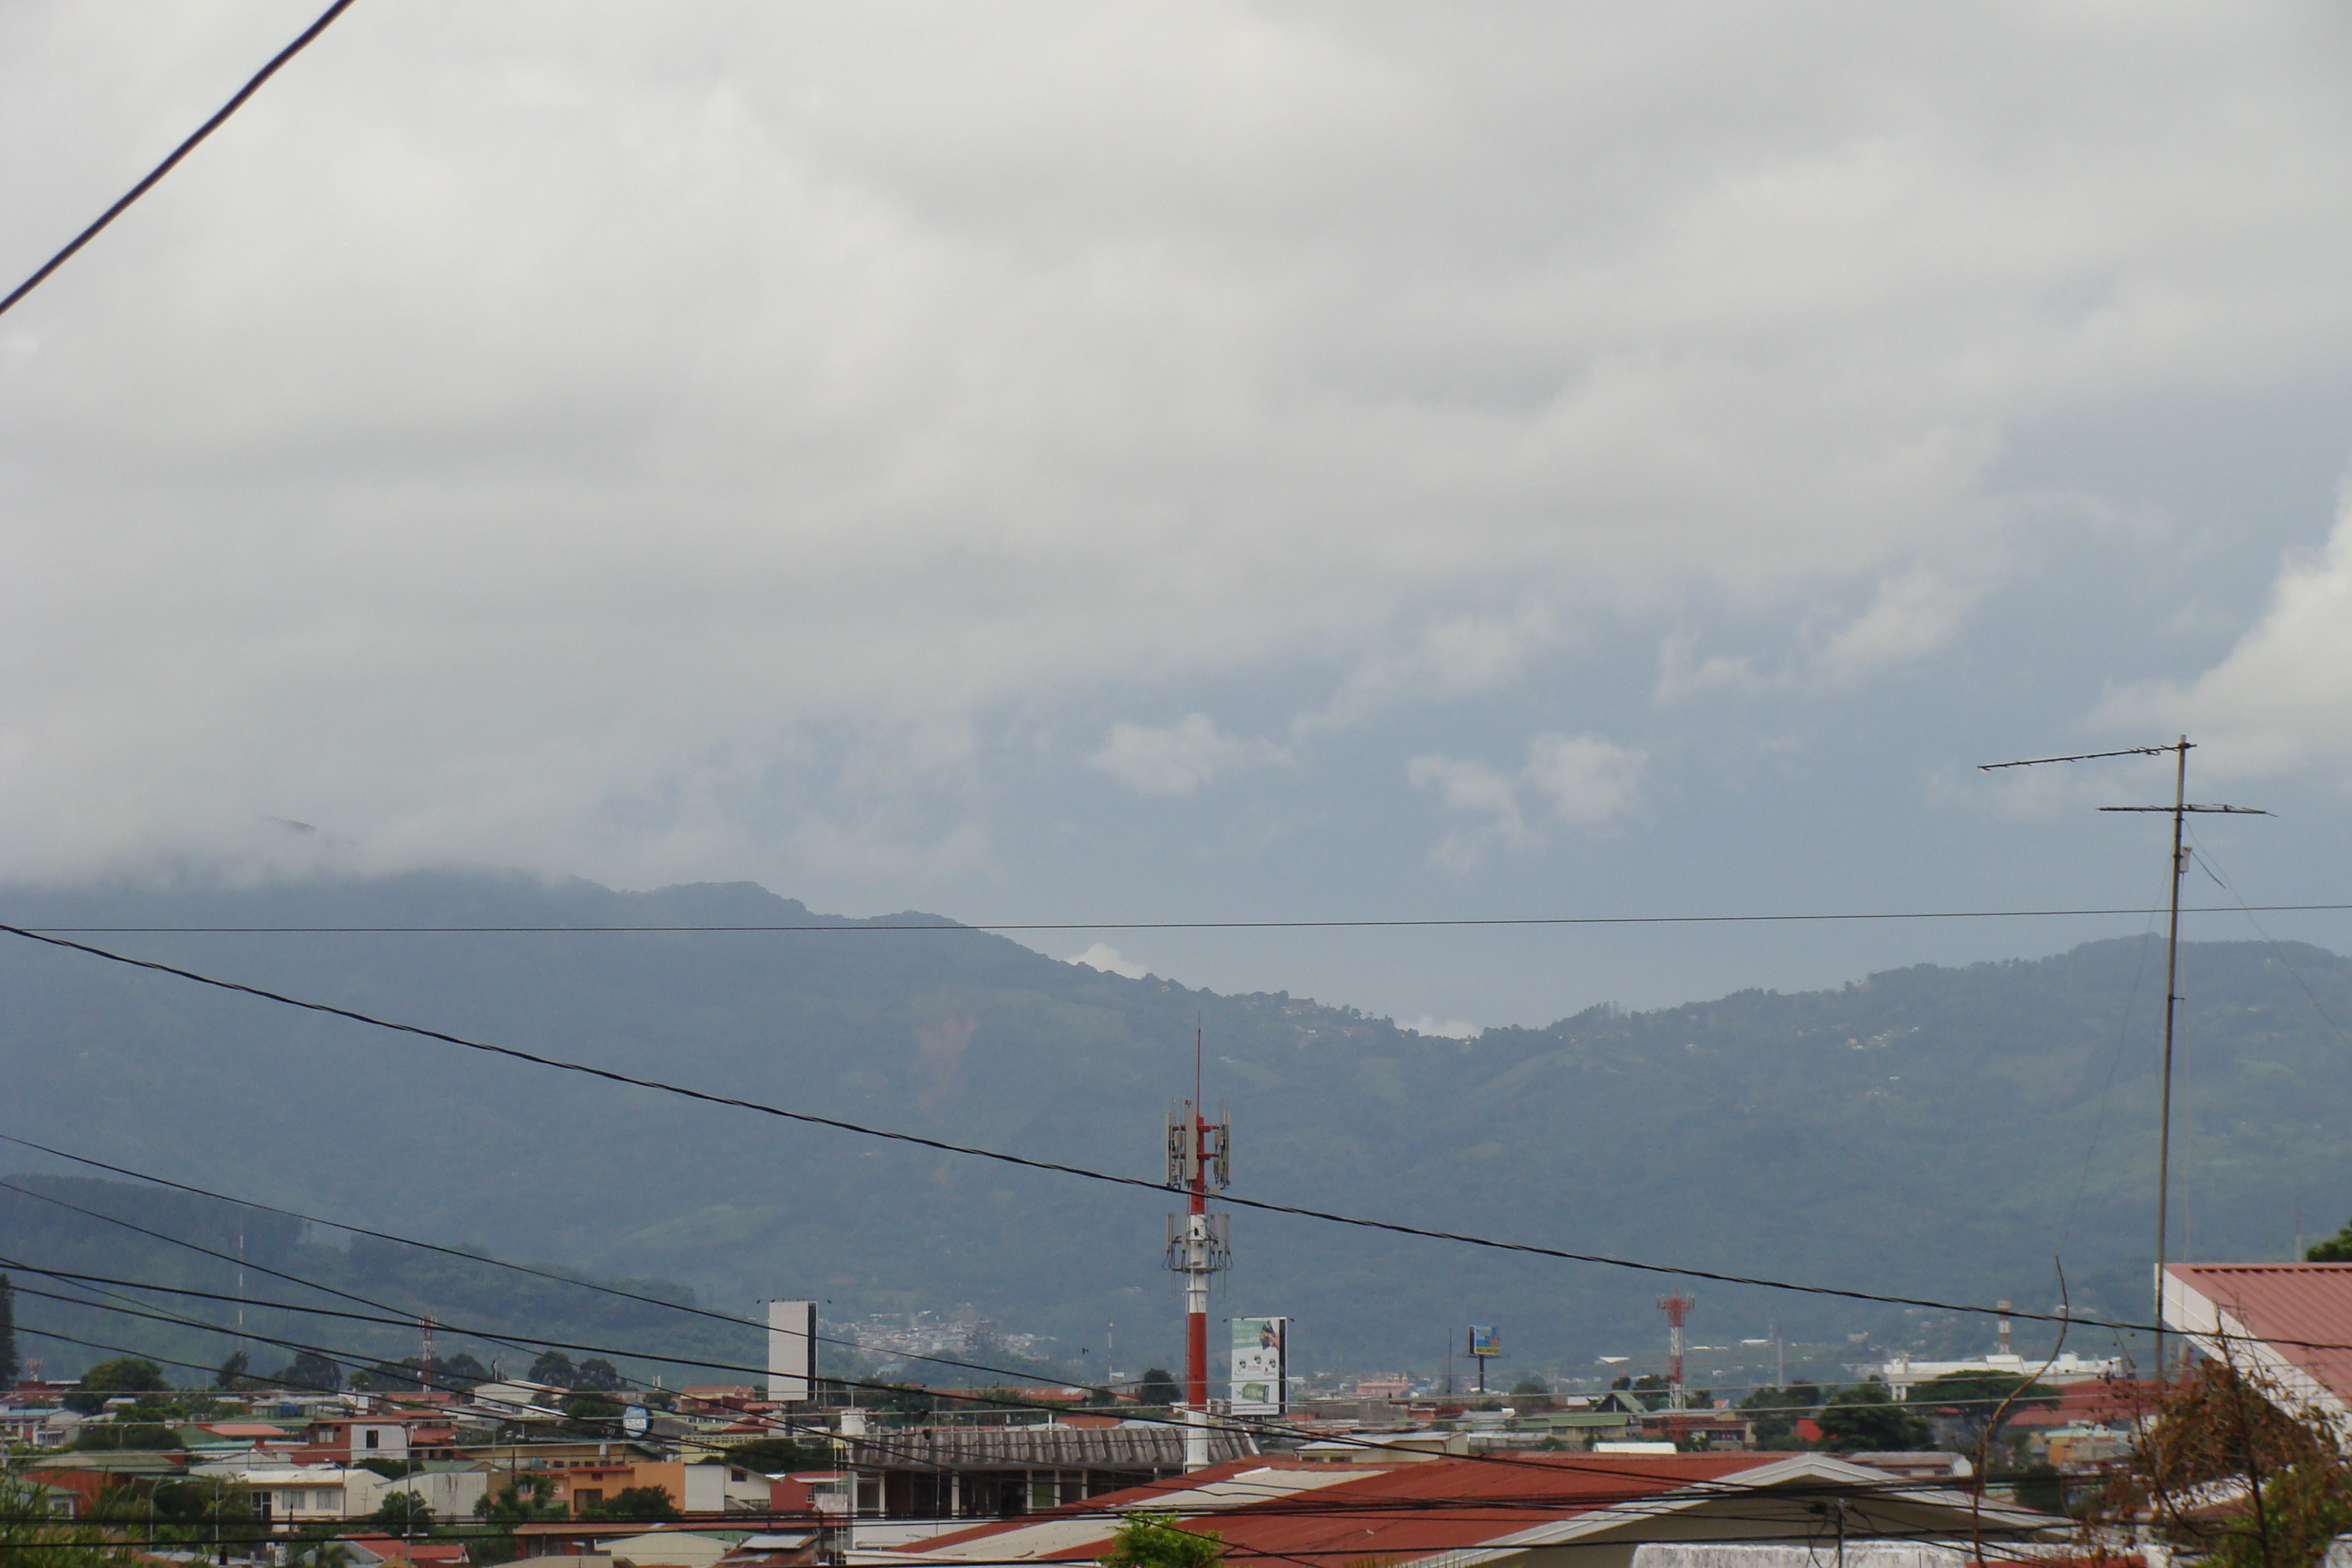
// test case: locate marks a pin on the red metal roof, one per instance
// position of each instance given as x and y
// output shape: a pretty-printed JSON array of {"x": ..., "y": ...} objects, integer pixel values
[
  {"x": 2283, "y": 1302},
  {"x": 1413, "y": 1509}
]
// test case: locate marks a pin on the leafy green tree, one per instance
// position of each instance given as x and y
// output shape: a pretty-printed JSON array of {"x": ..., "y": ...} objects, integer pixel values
[
  {"x": 1867, "y": 1417},
  {"x": 1532, "y": 1385},
  {"x": 649, "y": 1505},
  {"x": 599, "y": 1375},
  {"x": 774, "y": 1456},
  {"x": 1151, "y": 1538},
  {"x": 463, "y": 1369},
  {"x": 308, "y": 1369},
  {"x": 125, "y": 1374},
  {"x": 519, "y": 1501},
  {"x": 232, "y": 1372},
  {"x": 2336, "y": 1248},
  {"x": 554, "y": 1367},
  {"x": 1159, "y": 1387},
  {"x": 403, "y": 1513},
  {"x": 592, "y": 1415},
  {"x": 1981, "y": 1403},
  {"x": 1775, "y": 1412},
  {"x": 31, "y": 1536}
]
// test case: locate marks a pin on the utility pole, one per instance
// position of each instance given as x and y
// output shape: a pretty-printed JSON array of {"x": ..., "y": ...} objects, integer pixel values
[
  {"x": 2179, "y": 811},
  {"x": 1199, "y": 1152}
]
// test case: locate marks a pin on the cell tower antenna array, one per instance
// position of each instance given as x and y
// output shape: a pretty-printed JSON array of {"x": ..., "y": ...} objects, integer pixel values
[
  {"x": 2179, "y": 811},
  {"x": 1200, "y": 1153},
  {"x": 1676, "y": 1307}
]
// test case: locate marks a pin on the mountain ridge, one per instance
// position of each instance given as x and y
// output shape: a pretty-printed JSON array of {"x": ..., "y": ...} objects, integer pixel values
[{"x": 1925, "y": 1131}]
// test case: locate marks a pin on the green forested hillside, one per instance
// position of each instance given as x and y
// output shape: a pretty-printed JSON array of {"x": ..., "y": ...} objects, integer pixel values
[{"x": 1926, "y": 1130}]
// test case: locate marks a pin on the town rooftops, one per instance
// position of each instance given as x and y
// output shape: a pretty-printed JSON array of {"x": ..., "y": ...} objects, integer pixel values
[{"x": 2285, "y": 1320}]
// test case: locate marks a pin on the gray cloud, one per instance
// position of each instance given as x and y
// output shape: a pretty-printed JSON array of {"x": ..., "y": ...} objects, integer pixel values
[{"x": 665, "y": 443}]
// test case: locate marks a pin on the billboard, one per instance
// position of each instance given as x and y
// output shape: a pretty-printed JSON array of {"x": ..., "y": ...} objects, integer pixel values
[
  {"x": 791, "y": 1349},
  {"x": 1260, "y": 1368},
  {"x": 1484, "y": 1341}
]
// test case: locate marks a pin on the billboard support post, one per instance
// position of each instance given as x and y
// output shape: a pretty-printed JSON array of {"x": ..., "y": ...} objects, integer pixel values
[{"x": 1484, "y": 1346}]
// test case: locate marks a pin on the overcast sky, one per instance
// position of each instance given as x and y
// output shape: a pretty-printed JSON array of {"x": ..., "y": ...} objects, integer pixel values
[{"x": 1180, "y": 461}]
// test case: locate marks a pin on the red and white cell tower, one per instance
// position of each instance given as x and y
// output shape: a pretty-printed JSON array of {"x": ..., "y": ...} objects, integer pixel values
[
  {"x": 1676, "y": 1307},
  {"x": 1199, "y": 1152}
]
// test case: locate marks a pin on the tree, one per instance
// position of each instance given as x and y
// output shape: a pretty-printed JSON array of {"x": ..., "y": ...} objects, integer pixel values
[
  {"x": 649, "y": 1505},
  {"x": 1152, "y": 1539},
  {"x": 592, "y": 1415},
  {"x": 1532, "y": 1385},
  {"x": 308, "y": 1369},
  {"x": 2336, "y": 1248},
  {"x": 1159, "y": 1387},
  {"x": 600, "y": 1374},
  {"x": 1867, "y": 1417},
  {"x": 2228, "y": 1465},
  {"x": 1775, "y": 1412},
  {"x": 31, "y": 1536},
  {"x": 403, "y": 1513},
  {"x": 8, "y": 1363},
  {"x": 774, "y": 1456},
  {"x": 1981, "y": 1402},
  {"x": 520, "y": 1500},
  {"x": 554, "y": 1367},
  {"x": 462, "y": 1369},
  {"x": 232, "y": 1372},
  {"x": 125, "y": 1374}
]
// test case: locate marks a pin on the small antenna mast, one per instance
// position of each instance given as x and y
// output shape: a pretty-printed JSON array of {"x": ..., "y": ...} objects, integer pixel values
[{"x": 2180, "y": 809}]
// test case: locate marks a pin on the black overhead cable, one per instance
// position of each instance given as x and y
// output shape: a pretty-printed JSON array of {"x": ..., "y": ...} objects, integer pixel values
[
  {"x": 1745, "y": 1410},
  {"x": 548, "y": 1274},
  {"x": 156, "y": 175},
  {"x": 1056, "y": 1167},
  {"x": 344, "y": 1357},
  {"x": 999, "y": 926}
]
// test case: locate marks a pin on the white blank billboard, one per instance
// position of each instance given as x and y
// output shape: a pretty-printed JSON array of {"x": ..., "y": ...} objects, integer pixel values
[{"x": 791, "y": 1349}]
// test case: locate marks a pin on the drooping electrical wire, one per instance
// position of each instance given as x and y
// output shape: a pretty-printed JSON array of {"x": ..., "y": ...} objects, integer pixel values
[
  {"x": 155, "y": 175},
  {"x": 1053, "y": 1167}
]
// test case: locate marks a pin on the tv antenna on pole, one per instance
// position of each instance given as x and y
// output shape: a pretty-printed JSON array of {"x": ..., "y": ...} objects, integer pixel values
[{"x": 2179, "y": 810}]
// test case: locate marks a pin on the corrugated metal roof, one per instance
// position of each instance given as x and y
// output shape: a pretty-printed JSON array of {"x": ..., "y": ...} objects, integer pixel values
[
  {"x": 1441, "y": 1506},
  {"x": 1039, "y": 1447},
  {"x": 1062, "y": 1530},
  {"x": 2279, "y": 1303}
]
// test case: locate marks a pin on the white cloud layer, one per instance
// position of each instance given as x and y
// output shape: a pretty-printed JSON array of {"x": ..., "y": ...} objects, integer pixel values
[
  {"x": 2282, "y": 698},
  {"x": 662, "y": 442},
  {"x": 1178, "y": 759},
  {"x": 1111, "y": 961},
  {"x": 1582, "y": 780}
]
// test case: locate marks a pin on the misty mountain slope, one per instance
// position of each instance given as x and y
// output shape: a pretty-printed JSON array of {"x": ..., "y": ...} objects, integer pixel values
[{"x": 1926, "y": 1131}]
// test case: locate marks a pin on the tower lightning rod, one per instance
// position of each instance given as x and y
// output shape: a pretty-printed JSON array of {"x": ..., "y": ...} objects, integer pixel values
[{"x": 2180, "y": 809}]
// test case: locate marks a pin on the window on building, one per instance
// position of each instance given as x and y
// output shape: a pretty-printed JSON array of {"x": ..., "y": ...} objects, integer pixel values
[
  {"x": 585, "y": 1497},
  {"x": 373, "y": 1437}
]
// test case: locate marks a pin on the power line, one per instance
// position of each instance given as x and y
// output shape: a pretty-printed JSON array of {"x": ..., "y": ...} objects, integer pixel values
[
  {"x": 590, "y": 1285},
  {"x": 880, "y": 1443},
  {"x": 1050, "y": 1166},
  {"x": 1412, "y": 923},
  {"x": 155, "y": 175}
]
